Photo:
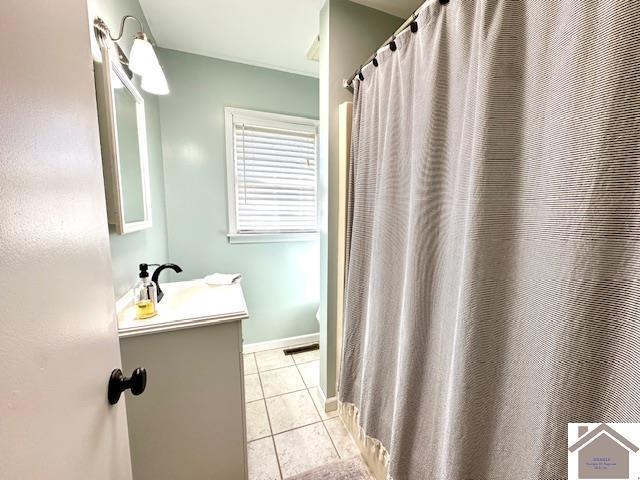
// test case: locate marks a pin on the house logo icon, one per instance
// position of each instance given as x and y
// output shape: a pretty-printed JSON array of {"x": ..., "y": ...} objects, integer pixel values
[{"x": 602, "y": 451}]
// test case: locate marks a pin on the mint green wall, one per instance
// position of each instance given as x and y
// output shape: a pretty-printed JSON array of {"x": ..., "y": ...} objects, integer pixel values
[
  {"x": 349, "y": 33},
  {"x": 127, "y": 251},
  {"x": 280, "y": 280}
]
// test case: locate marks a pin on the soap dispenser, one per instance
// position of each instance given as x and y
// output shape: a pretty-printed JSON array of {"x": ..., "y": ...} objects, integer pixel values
[{"x": 145, "y": 295}]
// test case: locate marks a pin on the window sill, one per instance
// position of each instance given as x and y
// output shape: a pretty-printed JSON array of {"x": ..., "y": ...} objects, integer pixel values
[{"x": 272, "y": 237}]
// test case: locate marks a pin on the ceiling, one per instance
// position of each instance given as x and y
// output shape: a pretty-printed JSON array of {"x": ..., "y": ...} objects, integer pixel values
[
  {"x": 399, "y": 8},
  {"x": 267, "y": 33}
]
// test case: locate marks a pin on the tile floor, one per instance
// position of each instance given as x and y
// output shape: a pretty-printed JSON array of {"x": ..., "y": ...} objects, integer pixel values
[{"x": 288, "y": 431}]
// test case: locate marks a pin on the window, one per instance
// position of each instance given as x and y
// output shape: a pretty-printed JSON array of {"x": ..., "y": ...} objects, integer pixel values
[{"x": 271, "y": 176}]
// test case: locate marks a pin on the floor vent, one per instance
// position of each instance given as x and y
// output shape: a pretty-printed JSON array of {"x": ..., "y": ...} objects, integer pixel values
[{"x": 302, "y": 348}]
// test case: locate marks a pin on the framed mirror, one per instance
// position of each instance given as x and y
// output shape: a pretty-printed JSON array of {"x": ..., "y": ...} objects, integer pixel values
[{"x": 123, "y": 139}]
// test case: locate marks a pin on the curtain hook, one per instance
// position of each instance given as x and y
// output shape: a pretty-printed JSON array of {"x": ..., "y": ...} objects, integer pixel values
[
  {"x": 392, "y": 44},
  {"x": 375, "y": 61},
  {"x": 414, "y": 24},
  {"x": 360, "y": 75},
  {"x": 444, "y": 2}
]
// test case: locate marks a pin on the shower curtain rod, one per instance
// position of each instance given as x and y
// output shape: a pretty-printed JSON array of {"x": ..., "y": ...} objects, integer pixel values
[{"x": 409, "y": 22}]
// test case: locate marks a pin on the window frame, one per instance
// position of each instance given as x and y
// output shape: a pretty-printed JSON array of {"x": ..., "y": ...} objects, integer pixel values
[{"x": 234, "y": 115}]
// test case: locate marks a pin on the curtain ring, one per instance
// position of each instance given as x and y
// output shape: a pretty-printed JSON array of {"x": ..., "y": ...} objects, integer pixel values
[
  {"x": 360, "y": 75},
  {"x": 375, "y": 61},
  {"x": 392, "y": 44},
  {"x": 444, "y": 2},
  {"x": 414, "y": 24}
]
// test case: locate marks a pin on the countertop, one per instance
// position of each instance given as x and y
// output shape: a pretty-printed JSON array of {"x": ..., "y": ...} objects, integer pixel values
[{"x": 186, "y": 305}]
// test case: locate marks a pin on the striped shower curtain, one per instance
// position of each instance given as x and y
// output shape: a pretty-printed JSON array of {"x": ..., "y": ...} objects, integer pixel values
[{"x": 493, "y": 273}]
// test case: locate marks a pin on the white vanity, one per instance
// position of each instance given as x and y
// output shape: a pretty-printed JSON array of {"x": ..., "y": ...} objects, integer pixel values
[{"x": 189, "y": 423}]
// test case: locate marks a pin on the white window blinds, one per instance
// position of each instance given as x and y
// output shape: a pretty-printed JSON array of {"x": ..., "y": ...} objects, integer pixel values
[{"x": 274, "y": 166}]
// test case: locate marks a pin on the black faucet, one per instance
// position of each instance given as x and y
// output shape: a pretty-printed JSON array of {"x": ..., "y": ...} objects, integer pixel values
[{"x": 158, "y": 271}]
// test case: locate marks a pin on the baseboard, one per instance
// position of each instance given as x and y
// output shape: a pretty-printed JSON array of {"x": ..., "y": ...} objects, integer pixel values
[
  {"x": 281, "y": 343},
  {"x": 330, "y": 404}
]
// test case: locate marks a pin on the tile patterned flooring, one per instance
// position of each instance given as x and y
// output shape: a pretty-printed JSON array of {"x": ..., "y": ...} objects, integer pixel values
[{"x": 288, "y": 431}]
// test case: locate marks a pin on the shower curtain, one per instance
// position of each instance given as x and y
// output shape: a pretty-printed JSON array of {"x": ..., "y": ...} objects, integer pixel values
[{"x": 493, "y": 272}]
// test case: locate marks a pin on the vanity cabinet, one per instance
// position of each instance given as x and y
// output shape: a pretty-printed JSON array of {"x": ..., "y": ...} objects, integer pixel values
[{"x": 189, "y": 423}]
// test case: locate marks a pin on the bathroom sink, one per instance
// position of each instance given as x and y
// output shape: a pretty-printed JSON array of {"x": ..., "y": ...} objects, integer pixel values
[
  {"x": 185, "y": 295},
  {"x": 185, "y": 305}
]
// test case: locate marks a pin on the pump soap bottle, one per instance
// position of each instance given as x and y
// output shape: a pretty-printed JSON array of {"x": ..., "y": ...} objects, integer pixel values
[{"x": 145, "y": 295}]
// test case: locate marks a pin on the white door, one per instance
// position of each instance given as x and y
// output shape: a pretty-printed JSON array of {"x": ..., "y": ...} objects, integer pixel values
[{"x": 58, "y": 341}]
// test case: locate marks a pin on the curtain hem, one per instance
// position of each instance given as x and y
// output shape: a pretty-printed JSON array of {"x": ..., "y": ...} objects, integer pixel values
[{"x": 372, "y": 450}]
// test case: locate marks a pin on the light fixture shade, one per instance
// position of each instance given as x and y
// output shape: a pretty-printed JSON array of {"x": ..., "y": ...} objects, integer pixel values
[
  {"x": 142, "y": 57},
  {"x": 154, "y": 81}
]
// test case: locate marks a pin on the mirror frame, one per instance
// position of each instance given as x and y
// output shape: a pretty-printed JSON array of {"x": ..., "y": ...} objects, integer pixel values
[{"x": 109, "y": 141}]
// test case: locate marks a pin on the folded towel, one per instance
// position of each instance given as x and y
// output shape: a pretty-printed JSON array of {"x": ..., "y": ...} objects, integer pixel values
[{"x": 223, "y": 278}]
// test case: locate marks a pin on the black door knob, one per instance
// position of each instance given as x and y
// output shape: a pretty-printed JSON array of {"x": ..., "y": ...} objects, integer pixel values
[{"x": 118, "y": 383}]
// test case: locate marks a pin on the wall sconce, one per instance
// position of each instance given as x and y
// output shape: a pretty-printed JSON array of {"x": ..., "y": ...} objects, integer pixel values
[{"x": 143, "y": 60}]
